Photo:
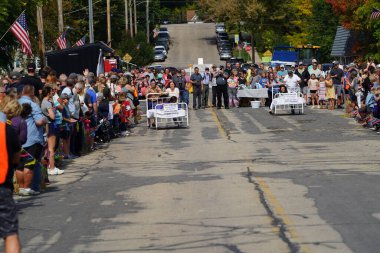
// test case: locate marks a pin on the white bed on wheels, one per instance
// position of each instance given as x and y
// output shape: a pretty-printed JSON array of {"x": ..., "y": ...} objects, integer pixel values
[
  {"x": 291, "y": 100},
  {"x": 166, "y": 113}
]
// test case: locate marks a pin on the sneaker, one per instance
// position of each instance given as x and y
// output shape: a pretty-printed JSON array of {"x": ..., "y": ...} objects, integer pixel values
[
  {"x": 27, "y": 192},
  {"x": 32, "y": 192},
  {"x": 23, "y": 192},
  {"x": 55, "y": 171}
]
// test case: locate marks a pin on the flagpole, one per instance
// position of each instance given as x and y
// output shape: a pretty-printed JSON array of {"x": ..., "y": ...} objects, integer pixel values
[{"x": 2, "y": 37}]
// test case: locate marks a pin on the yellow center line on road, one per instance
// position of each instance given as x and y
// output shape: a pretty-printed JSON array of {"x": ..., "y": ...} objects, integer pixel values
[
  {"x": 218, "y": 123},
  {"x": 281, "y": 213},
  {"x": 271, "y": 199}
]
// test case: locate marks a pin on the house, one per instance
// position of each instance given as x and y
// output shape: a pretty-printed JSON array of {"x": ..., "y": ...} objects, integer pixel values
[{"x": 346, "y": 45}]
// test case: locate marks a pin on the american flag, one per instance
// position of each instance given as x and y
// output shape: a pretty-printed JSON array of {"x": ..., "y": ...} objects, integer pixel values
[
  {"x": 20, "y": 30},
  {"x": 81, "y": 42},
  {"x": 375, "y": 14},
  {"x": 61, "y": 41}
]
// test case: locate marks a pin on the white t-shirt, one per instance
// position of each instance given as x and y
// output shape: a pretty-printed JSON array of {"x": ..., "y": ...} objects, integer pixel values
[
  {"x": 292, "y": 82},
  {"x": 317, "y": 72},
  {"x": 174, "y": 93}
]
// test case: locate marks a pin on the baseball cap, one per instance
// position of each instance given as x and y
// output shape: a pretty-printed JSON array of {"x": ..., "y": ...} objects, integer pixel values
[
  {"x": 335, "y": 62},
  {"x": 64, "y": 96},
  {"x": 290, "y": 72},
  {"x": 15, "y": 75},
  {"x": 31, "y": 66},
  {"x": 159, "y": 76},
  {"x": 282, "y": 66},
  {"x": 314, "y": 61},
  {"x": 300, "y": 63}
]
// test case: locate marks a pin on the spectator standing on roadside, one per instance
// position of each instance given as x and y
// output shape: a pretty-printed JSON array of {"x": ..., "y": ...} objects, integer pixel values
[
  {"x": 49, "y": 111},
  {"x": 282, "y": 73},
  {"x": 337, "y": 75},
  {"x": 254, "y": 79},
  {"x": 67, "y": 121},
  {"x": 90, "y": 98},
  {"x": 32, "y": 79},
  {"x": 15, "y": 78},
  {"x": 315, "y": 70},
  {"x": 35, "y": 140},
  {"x": 330, "y": 92},
  {"x": 10, "y": 153},
  {"x": 206, "y": 80},
  {"x": 228, "y": 69},
  {"x": 313, "y": 85},
  {"x": 304, "y": 75},
  {"x": 180, "y": 81},
  {"x": 196, "y": 81},
  {"x": 291, "y": 81},
  {"x": 214, "y": 73},
  {"x": 221, "y": 89}
]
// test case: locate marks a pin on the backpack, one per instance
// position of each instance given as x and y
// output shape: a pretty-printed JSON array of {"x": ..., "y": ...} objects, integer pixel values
[{"x": 220, "y": 80}]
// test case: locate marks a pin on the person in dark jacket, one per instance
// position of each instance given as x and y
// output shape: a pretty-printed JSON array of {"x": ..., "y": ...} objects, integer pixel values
[{"x": 221, "y": 89}]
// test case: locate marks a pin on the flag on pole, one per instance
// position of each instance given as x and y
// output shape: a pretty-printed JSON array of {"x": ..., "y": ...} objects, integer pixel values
[
  {"x": 375, "y": 14},
  {"x": 61, "y": 41},
  {"x": 81, "y": 42},
  {"x": 20, "y": 30},
  {"x": 100, "y": 66}
]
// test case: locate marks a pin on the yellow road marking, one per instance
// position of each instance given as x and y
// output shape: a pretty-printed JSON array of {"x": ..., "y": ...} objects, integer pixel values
[
  {"x": 280, "y": 212},
  {"x": 218, "y": 123}
]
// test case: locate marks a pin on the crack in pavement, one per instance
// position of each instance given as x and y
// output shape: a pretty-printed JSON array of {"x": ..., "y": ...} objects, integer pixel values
[{"x": 277, "y": 221}]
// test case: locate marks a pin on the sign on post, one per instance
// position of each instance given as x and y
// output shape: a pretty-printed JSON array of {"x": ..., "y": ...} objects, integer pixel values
[
  {"x": 236, "y": 38},
  {"x": 127, "y": 58}
]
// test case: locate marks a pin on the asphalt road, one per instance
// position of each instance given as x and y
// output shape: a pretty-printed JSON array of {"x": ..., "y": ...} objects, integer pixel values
[
  {"x": 238, "y": 180},
  {"x": 190, "y": 42}
]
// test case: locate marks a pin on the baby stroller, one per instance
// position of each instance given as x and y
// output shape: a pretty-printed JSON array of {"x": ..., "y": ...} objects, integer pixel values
[{"x": 102, "y": 131}]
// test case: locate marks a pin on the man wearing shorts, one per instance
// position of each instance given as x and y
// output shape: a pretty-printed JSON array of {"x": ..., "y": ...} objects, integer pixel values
[
  {"x": 35, "y": 140},
  {"x": 336, "y": 75},
  {"x": 10, "y": 152},
  {"x": 304, "y": 75}
]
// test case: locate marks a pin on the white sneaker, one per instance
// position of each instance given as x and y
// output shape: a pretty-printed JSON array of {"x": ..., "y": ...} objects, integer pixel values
[
  {"x": 55, "y": 171},
  {"x": 27, "y": 192},
  {"x": 23, "y": 192}
]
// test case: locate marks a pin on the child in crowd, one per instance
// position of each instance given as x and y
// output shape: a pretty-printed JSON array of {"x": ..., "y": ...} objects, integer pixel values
[
  {"x": 330, "y": 92},
  {"x": 322, "y": 93},
  {"x": 313, "y": 85}
]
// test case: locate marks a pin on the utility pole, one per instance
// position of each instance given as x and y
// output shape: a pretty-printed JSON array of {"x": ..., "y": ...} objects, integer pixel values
[
  {"x": 90, "y": 21},
  {"x": 109, "y": 22},
  {"x": 126, "y": 16},
  {"x": 60, "y": 16},
  {"x": 41, "y": 38},
  {"x": 135, "y": 11},
  {"x": 130, "y": 19},
  {"x": 147, "y": 21}
]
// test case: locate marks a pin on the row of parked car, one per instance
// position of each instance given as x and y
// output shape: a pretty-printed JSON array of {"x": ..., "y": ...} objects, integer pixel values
[
  {"x": 223, "y": 42},
  {"x": 162, "y": 44}
]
